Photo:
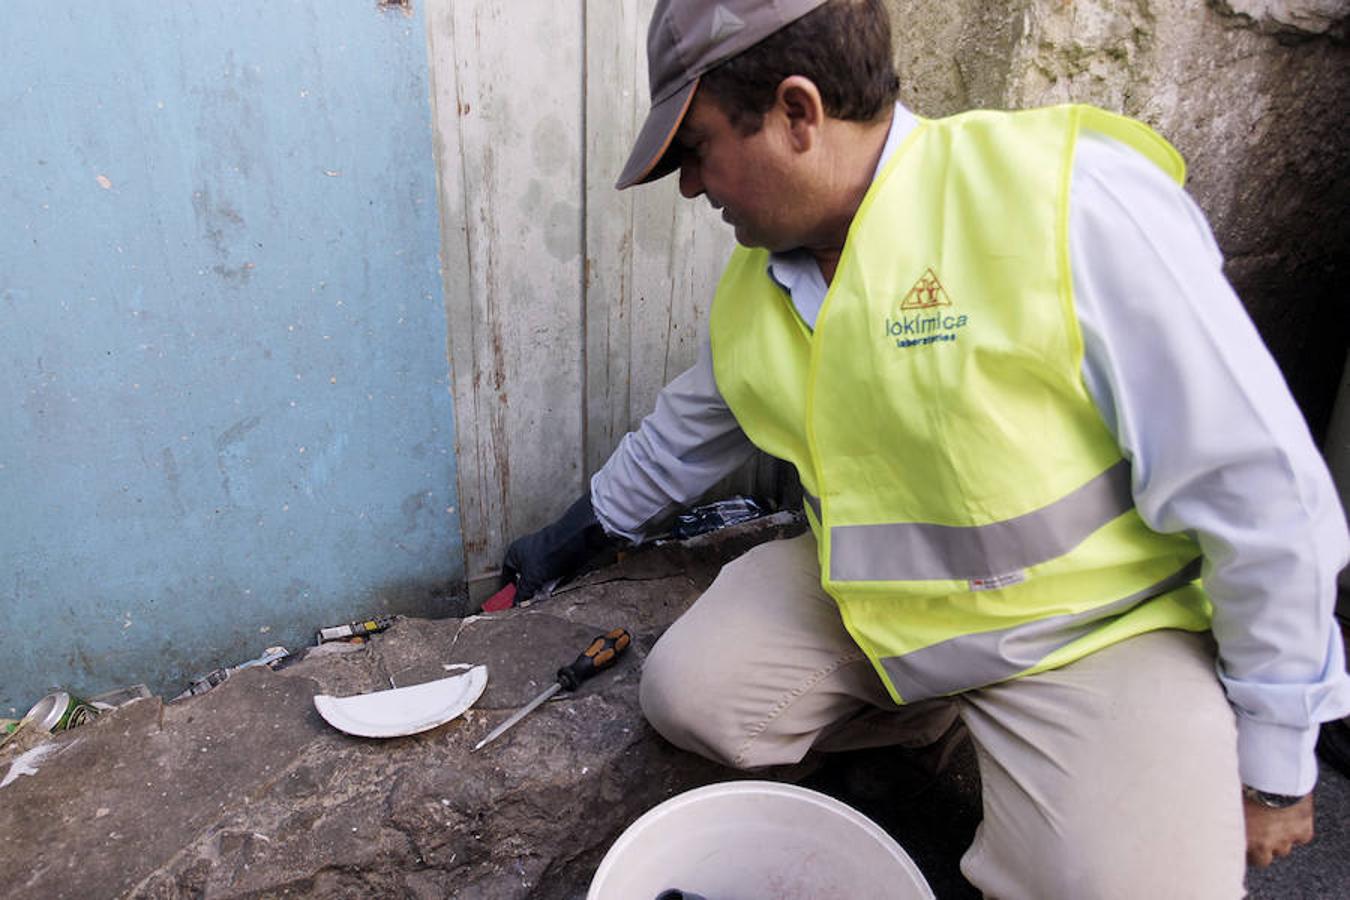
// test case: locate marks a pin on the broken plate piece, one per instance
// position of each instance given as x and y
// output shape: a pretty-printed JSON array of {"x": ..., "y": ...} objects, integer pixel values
[{"x": 405, "y": 710}]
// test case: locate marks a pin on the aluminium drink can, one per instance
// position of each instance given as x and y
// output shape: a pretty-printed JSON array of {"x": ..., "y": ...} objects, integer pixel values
[{"x": 59, "y": 711}]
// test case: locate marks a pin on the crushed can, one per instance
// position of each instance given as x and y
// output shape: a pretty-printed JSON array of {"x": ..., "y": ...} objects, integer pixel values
[{"x": 59, "y": 711}]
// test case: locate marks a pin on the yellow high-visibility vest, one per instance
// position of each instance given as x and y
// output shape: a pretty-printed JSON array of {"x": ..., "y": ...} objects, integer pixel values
[{"x": 973, "y": 513}]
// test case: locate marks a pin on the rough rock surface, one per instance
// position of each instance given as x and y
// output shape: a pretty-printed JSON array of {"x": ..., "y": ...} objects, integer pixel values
[
  {"x": 1310, "y": 17},
  {"x": 1253, "y": 92},
  {"x": 246, "y": 792}
]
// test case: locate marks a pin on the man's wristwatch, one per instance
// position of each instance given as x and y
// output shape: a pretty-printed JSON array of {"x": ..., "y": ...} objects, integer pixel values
[{"x": 1269, "y": 801}]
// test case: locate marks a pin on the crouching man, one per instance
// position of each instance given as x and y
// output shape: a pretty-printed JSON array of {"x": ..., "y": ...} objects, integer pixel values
[{"x": 1057, "y": 488}]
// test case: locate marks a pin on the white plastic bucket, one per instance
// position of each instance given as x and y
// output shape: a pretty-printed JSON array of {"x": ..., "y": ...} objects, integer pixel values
[{"x": 757, "y": 840}]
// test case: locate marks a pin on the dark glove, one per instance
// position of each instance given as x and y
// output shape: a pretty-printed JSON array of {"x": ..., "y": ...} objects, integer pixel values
[{"x": 556, "y": 551}]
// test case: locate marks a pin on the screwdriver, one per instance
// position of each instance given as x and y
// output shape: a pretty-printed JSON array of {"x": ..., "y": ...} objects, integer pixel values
[{"x": 601, "y": 654}]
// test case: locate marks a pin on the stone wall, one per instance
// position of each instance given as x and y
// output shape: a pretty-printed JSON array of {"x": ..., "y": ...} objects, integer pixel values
[{"x": 1255, "y": 94}]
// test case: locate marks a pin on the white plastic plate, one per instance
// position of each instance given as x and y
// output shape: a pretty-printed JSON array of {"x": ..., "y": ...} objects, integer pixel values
[{"x": 403, "y": 711}]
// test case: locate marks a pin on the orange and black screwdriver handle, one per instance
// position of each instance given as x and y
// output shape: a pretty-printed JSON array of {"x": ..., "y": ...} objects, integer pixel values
[{"x": 601, "y": 654}]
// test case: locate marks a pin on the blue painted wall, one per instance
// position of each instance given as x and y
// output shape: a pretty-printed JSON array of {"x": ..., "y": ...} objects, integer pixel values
[{"x": 222, "y": 336}]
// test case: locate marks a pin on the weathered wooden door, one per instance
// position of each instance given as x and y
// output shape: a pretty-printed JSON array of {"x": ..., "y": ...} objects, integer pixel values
[{"x": 571, "y": 303}]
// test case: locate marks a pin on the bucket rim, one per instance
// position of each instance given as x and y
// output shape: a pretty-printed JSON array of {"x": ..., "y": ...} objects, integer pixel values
[{"x": 759, "y": 788}]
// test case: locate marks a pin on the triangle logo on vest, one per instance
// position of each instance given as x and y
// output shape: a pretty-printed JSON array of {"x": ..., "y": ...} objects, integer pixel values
[
  {"x": 927, "y": 293},
  {"x": 920, "y": 322}
]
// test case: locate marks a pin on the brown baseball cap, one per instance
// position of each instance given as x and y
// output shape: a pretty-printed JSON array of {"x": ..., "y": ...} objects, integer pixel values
[{"x": 685, "y": 39}]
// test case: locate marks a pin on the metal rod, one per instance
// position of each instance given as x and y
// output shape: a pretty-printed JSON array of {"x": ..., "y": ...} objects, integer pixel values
[{"x": 520, "y": 714}]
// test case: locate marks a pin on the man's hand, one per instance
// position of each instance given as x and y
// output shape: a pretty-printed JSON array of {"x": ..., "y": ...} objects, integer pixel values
[
  {"x": 556, "y": 551},
  {"x": 1272, "y": 833}
]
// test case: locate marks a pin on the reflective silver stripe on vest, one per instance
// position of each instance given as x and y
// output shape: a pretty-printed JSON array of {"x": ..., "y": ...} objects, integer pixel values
[
  {"x": 974, "y": 660},
  {"x": 917, "y": 551},
  {"x": 813, "y": 502}
]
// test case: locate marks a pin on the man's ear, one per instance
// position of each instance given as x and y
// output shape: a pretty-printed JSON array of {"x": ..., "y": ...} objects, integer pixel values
[{"x": 798, "y": 100}]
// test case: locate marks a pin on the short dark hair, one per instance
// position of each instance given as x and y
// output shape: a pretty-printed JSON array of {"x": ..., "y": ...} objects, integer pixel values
[{"x": 843, "y": 46}]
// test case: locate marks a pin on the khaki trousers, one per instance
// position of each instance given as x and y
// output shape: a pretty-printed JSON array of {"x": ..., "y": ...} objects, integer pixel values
[{"x": 1115, "y": 776}]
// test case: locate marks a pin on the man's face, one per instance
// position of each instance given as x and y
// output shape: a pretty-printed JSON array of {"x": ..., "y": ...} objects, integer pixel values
[{"x": 747, "y": 177}]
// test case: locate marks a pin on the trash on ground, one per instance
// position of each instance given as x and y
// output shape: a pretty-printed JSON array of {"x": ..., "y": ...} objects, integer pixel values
[
  {"x": 8, "y": 728},
  {"x": 59, "y": 711},
  {"x": 406, "y": 710},
  {"x": 507, "y": 596},
  {"x": 120, "y": 697},
  {"x": 503, "y": 599},
  {"x": 712, "y": 516},
  {"x": 354, "y": 629},
  {"x": 204, "y": 683}
]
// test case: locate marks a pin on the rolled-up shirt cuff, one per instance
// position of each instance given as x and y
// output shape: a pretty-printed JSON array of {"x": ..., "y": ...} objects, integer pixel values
[
  {"x": 1277, "y": 759},
  {"x": 610, "y": 519}
]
